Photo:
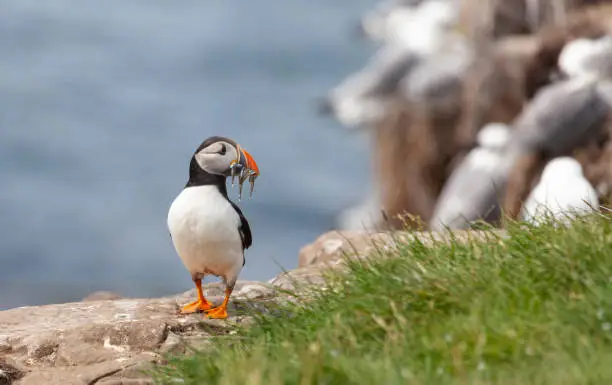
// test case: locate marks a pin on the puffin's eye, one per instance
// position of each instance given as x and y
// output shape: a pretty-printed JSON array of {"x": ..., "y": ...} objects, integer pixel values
[{"x": 223, "y": 149}]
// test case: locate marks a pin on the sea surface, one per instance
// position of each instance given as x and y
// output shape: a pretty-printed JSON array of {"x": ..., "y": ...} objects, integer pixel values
[{"x": 103, "y": 103}]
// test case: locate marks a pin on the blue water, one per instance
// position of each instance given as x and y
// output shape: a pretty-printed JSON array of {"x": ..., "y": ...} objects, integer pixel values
[{"x": 102, "y": 104}]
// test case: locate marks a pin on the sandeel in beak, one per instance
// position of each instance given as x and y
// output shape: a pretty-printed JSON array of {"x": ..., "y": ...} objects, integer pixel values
[{"x": 245, "y": 168}]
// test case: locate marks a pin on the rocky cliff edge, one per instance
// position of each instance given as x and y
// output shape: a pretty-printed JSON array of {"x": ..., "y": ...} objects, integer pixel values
[{"x": 107, "y": 340}]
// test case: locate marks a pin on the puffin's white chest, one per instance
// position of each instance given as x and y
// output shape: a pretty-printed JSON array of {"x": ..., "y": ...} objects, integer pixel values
[{"x": 204, "y": 230}]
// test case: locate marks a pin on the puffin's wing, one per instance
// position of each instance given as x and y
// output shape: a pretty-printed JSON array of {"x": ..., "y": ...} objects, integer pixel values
[{"x": 244, "y": 229}]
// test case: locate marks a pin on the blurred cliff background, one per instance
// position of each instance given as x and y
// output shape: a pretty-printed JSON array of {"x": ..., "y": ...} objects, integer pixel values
[{"x": 360, "y": 114}]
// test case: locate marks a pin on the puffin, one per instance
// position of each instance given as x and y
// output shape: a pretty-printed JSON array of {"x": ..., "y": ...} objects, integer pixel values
[{"x": 209, "y": 231}]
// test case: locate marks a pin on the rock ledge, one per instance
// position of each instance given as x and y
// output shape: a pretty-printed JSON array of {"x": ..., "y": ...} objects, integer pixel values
[{"x": 109, "y": 340}]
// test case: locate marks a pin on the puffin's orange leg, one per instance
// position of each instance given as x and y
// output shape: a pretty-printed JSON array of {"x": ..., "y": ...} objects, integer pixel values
[
  {"x": 220, "y": 311},
  {"x": 201, "y": 304}
]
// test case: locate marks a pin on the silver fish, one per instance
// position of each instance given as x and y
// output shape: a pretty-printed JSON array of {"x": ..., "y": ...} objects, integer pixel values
[
  {"x": 252, "y": 183},
  {"x": 233, "y": 172},
  {"x": 244, "y": 174}
]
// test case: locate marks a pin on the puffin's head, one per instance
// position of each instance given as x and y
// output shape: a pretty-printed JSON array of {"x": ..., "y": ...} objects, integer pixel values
[
  {"x": 219, "y": 156},
  {"x": 222, "y": 156}
]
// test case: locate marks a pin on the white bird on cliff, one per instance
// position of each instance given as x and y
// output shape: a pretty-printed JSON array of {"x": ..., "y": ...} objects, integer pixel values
[
  {"x": 471, "y": 192},
  {"x": 427, "y": 67},
  {"x": 414, "y": 24},
  {"x": 208, "y": 230},
  {"x": 562, "y": 193},
  {"x": 561, "y": 117},
  {"x": 585, "y": 63},
  {"x": 439, "y": 76},
  {"x": 587, "y": 57},
  {"x": 361, "y": 99}
]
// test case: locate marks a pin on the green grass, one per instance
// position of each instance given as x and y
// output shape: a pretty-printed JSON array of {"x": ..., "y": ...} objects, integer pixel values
[{"x": 532, "y": 309}]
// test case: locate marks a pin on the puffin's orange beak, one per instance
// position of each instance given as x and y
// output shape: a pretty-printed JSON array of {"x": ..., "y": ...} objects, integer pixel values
[
  {"x": 246, "y": 161},
  {"x": 249, "y": 170},
  {"x": 250, "y": 162}
]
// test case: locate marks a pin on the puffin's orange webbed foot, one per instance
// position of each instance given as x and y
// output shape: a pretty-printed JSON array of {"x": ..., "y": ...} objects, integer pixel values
[
  {"x": 196, "y": 306},
  {"x": 219, "y": 312},
  {"x": 201, "y": 304}
]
